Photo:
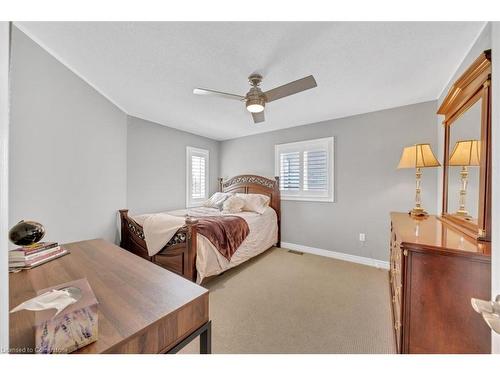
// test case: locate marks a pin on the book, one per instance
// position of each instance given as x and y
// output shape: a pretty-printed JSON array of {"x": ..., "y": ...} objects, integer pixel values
[
  {"x": 40, "y": 246},
  {"x": 43, "y": 256},
  {"x": 20, "y": 256},
  {"x": 47, "y": 258},
  {"x": 22, "y": 265},
  {"x": 34, "y": 263}
]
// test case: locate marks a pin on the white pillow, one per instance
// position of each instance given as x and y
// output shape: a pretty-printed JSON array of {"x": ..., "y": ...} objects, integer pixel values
[
  {"x": 216, "y": 200},
  {"x": 254, "y": 202},
  {"x": 233, "y": 205}
]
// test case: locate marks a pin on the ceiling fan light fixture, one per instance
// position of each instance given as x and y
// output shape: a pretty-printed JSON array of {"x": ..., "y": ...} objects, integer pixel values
[
  {"x": 255, "y": 105},
  {"x": 255, "y": 99}
]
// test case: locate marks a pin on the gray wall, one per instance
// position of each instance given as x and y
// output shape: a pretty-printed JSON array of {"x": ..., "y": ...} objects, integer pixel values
[
  {"x": 156, "y": 165},
  {"x": 367, "y": 184},
  {"x": 67, "y": 149}
]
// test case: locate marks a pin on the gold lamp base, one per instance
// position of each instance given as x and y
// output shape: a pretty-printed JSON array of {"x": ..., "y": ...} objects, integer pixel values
[
  {"x": 418, "y": 212},
  {"x": 462, "y": 213}
]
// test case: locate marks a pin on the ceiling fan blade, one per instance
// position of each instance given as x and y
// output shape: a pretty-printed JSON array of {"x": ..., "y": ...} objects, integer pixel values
[
  {"x": 291, "y": 88},
  {"x": 199, "y": 91},
  {"x": 258, "y": 117}
]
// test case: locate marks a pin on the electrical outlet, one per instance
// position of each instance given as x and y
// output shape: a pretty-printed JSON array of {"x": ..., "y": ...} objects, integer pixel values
[{"x": 362, "y": 237}]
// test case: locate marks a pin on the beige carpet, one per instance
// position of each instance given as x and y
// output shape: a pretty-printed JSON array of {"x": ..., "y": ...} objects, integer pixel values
[{"x": 280, "y": 302}]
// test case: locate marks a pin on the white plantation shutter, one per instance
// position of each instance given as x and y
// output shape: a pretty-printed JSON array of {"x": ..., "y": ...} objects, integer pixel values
[
  {"x": 196, "y": 176},
  {"x": 306, "y": 169},
  {"x": 316, "y": 170},
  {"x": 290, "y": 171}
]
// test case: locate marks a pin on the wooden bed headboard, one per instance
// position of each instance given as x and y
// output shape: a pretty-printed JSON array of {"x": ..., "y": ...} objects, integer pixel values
[{"x": 252, "y": 184}]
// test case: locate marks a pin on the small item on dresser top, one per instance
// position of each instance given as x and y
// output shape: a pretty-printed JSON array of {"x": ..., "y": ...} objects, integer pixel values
[
  {"x": 65, "y": 317},
  {"x": 32, "y": 256},
  {"x": 26, "y": 233}
]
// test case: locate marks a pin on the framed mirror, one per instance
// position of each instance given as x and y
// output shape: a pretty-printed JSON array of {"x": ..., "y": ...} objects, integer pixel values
[{"x": 467, "y": 151}]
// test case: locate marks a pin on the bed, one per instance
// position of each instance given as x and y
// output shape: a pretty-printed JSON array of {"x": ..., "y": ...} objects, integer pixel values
[{"x": 189, "y": 253}]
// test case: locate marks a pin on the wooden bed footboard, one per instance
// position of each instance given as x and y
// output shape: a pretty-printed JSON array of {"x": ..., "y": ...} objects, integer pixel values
[{"x": 178, "y": 255}]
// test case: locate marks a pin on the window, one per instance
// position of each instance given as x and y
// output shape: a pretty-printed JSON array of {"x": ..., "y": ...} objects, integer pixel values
[
  {"x": 196, "y": 176},
  {"x": 306, "y": 170}
]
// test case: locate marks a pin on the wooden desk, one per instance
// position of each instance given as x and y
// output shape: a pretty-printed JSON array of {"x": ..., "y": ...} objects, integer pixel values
[{"x": 143, "y": 308}]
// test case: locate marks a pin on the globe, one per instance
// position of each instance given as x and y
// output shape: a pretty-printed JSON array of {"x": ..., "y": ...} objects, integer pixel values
[{"x": 26, "y": 233}]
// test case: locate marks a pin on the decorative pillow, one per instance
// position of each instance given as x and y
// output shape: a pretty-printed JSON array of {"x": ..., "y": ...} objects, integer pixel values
[
  {"x": 254, "y": 202},
  {"x": 217, "y": 200},
  {"x": 233, "y": 205}
]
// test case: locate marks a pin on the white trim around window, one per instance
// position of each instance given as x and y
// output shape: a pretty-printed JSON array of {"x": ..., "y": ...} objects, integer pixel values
[
  {"x": 306, "y": 170},
  {"x": 197, "y": 176}
]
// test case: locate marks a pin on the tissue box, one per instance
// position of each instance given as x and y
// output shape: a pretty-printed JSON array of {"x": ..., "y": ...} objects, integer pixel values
[{"x": 72, "y": 328}]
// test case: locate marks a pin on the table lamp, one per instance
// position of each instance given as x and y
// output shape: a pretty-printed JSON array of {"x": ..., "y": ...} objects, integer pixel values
[
  {"x": 418, "y": 156},
  {"x": 465, "y": 154}
]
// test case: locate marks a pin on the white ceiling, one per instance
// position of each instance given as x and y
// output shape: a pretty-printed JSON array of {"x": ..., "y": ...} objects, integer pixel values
[{"x": 149, "y": 69}]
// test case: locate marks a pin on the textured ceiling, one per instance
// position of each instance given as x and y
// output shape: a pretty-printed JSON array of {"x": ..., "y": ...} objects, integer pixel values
[{"x": 149, "y": 69}]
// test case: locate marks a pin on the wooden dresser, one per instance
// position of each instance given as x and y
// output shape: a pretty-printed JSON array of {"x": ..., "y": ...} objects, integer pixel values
[{"x": 435, "y": 270}]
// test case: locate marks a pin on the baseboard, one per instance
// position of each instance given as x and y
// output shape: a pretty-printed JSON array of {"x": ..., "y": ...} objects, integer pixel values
[{"x": 333, "y": 254}]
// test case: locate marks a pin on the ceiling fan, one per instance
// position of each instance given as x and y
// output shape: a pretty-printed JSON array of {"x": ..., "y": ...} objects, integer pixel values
[{"x": 256, "y": 99}]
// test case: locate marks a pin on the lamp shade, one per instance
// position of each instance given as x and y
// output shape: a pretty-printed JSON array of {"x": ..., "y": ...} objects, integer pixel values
[
  {"x": 418, "y": 156},
  {"x": 466, "y": 153}
]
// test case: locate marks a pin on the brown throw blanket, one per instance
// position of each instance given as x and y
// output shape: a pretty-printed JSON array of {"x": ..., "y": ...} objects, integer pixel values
[{"x": 226, "y": 233}]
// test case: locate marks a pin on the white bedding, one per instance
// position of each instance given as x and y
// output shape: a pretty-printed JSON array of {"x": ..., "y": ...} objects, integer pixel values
[{"x": 263, "y": 234}]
